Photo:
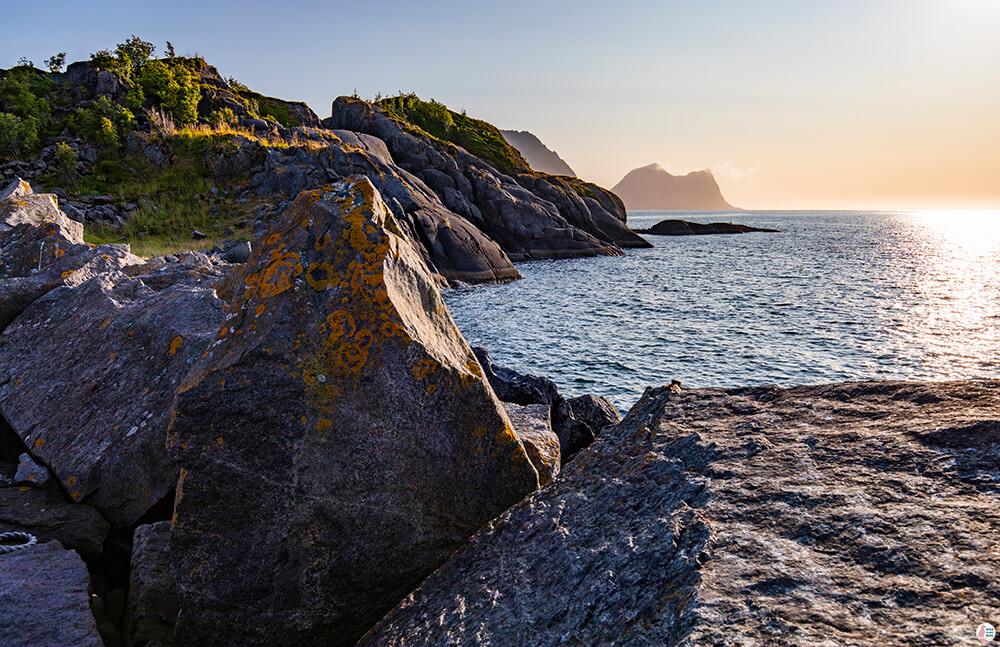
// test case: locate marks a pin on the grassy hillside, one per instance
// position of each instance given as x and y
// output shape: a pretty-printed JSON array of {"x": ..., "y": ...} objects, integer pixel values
[{"x": 474, "y": 135}]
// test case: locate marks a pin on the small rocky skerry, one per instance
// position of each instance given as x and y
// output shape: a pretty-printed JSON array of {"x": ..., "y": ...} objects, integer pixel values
[
  {"x": 302, "y": 450},
  {"x": 672, "y": 227}
]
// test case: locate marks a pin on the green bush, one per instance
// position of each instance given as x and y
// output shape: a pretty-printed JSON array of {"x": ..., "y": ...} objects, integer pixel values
[
  {"x": 21, "y": 94},
  {"x": 172, "y": 86},
  {"x": 223, "y": 117},
  {"x": 18, "y": 135},
  {"x": 104, "y": 124},
  {"x": 65, "y": 165}
]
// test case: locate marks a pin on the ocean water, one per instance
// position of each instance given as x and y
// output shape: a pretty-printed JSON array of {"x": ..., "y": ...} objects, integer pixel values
[{"x": 835, "y": 296}]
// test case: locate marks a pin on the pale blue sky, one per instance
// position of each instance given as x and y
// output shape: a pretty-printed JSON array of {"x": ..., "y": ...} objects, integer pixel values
[{"x": 840, "y": 104}]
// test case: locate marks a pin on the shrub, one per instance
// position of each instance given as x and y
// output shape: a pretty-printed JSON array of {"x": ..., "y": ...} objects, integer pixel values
[
  {"x": 20, "y": 95},
  {"x": 174, "y": 87},
  {"x": 18, "y": 135},
  {"x": 104, "y": 124},
  {"x": 221, "y": 118},
  {"x": 55, "y": 63},
  {"x": 65, "y": 165}
]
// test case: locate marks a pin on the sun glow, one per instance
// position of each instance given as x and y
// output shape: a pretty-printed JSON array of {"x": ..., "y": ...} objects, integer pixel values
[{"x": 972, "y": 230}]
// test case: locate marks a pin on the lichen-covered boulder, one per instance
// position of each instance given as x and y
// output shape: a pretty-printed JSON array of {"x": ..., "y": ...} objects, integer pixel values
[
  {"x": 47, "y": 515},
  {"x": 337, "y": 442},
  {"x": 44, "y": 599},
  {"x": 533, "y": 425},
  {"x": 20, "y": 205},
  {"x": 87, "y": 380}
]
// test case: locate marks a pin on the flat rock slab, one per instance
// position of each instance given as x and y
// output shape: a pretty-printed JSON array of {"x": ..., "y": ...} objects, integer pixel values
[
  {"x": 849, "y": 514},
  {"x": 87, "y": 380},
  {"x": 45, "y": 599}
]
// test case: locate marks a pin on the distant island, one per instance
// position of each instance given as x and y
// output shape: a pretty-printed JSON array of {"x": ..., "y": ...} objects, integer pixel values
[
  {"x": 539, "y": 156},
  {"x": 652, "y": 187}
]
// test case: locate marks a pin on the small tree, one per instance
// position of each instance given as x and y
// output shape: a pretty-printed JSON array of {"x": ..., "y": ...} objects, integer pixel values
[
  {"x": 55, "y": 63},
  {"x": 170, "y": 51},
  {"x": 17, "y": 135},
  {"x": 65, "y": 163}
]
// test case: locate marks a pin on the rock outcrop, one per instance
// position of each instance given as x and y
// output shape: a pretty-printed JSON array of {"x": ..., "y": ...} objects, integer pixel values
[
  {"x": 533, "y": 425},
  {"x": 855, "y": 514},
  {"x": 538, "y": 155},
  {"x": 87, "y": 380},
  {"x": 652, "y": 187},
  {"x": 337, "y": 441},
  {"x": 45, "y": 599},
  {"x": 525, "y": 224},
  {"x": 685, "y": 228}
]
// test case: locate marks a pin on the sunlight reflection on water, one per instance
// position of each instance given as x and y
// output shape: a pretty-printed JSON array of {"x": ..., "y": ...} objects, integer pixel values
[{"x": 836, "y": 296}]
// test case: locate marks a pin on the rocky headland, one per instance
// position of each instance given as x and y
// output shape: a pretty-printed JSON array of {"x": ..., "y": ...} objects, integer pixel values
[
  {"x": 538, "y": 155},
  {"x": 652, "y": 187},
  {"x": 687, "y": 228}
]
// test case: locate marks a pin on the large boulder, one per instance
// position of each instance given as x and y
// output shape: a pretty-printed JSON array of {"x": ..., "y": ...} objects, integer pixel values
[
  {"x": 47, "y": 515},
  {"x": 598, "y": 412},
  {"x": 45, "y": 599},
  {"x": 87, "y": 380},
  {"x": 19, "y": 205},
  {"x": 41, "y": 249},
  {"x": 152, "y": 592},
  {"x": 851, "y": 514},
  {"x": 338, "y": 440}
]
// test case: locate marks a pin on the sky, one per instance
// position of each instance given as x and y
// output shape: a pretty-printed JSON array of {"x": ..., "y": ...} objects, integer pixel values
[{"x": 826, "y": 104}]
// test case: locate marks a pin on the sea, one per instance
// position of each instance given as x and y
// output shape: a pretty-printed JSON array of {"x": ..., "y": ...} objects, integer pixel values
[{"x": 835, "y": 296}]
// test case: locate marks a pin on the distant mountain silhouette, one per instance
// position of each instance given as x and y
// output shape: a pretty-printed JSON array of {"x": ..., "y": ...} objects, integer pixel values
[
  {"x": 652, "y": 187},
  {"x": 539, "y": 157}
]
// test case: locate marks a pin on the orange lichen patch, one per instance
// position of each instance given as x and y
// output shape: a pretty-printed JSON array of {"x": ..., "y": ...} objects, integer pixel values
[
  {"x": 322, "y": 242},
  {"x": 75, "y": 496},
  {"x": 104, "y": 324},
  {"x": 175, "y": 344},
  {"x": 272, "y": 239},
  {"x": 340, "y": 323},
  {"x": 319, "y": 275},
  {"x": 260, "y": 310},
  {"x": 304, "y": 420},
  {"x": 276, "y": 277},
  {"x": 131, "y": 332},
  {"x": 431, "y": 388},
  {"x": 38, "y": 442},
  {"x": 71, "y": 481},
  {"x": 58, "y": 252},
  {"x": 479, "y": 432},
  {"x": 112, "y": 357},
  {"x": 324, "y": 424},
  {"x": 218, "y": 440},
  {"x": 424, "y": 368},
  {"x": 473, "y": 367}
]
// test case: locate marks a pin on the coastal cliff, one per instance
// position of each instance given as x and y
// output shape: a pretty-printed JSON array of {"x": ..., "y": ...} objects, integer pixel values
[
  {"x": 539, "y": 156},
  {"x": 653, "y": 188}
]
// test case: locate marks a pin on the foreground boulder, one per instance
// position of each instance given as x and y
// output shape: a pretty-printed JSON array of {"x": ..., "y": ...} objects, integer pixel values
[
  {"x": 337, "y": 442},
  {"x": 87, "y": 380},
  {"x": 19, "y": 205},
  {"x": 45, "y": 599},
  {"x": 851, "y": 514}
]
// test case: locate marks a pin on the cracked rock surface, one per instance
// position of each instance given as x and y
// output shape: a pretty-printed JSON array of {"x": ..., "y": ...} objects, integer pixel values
[{"x": 848, "y": 514}]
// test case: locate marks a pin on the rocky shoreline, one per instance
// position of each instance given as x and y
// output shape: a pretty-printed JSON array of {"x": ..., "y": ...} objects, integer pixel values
[{"x": 301, "y": 449}]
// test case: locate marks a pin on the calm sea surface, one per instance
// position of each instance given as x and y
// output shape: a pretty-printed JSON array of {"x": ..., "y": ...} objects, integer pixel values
[{"x": 836, "y": 296}]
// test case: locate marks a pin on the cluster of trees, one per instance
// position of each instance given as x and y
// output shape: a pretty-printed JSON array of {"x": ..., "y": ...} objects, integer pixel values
[{"x": 167, "y": 84}]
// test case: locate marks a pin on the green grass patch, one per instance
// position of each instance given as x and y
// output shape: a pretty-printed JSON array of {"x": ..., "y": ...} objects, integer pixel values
[{"x": 480, "y": 138}]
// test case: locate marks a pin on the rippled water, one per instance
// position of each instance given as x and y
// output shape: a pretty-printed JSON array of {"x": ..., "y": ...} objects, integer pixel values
[{"x": 836, "y": 296}]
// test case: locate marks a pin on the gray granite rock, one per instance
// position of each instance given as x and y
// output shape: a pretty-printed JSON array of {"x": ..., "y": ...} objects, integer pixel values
[
  {"x": 19, "y": 205},
  {"x": 44, "y": 599},
  {"x": 338, "y": 440},
  {"x": 599, "y": 413},
  {"x": 849, "y": 514},
  {"x": 87, "y": 379},
  {"x": 47, "y": 515},
  {"x": 31, "y": 473},
  {"x": 533, "y": 425},
  {"x": 152, "y": 594}
]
